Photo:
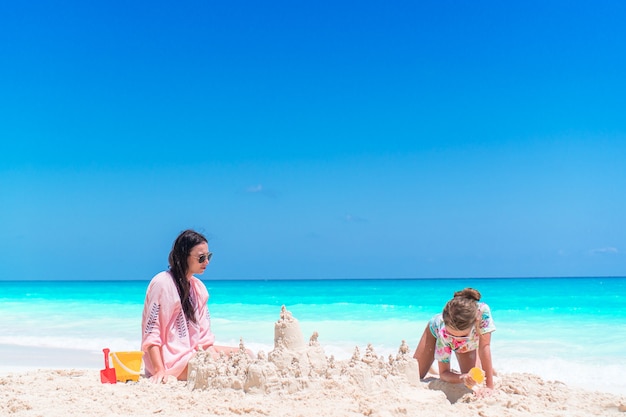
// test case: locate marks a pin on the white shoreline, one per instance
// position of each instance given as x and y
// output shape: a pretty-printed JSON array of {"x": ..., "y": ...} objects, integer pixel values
[{"x": 14, "y": 358}]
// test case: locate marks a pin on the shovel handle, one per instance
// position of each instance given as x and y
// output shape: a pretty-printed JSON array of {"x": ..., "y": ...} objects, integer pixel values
[{"x": 106, "y": 357}]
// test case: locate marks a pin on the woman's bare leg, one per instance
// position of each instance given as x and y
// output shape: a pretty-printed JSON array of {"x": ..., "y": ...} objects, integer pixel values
[
  {"x": 425, "y": 352},
  {"x": 215, "y": 352},
  {"x": 228, "y": 351},
  {"x": 183, "y": 374}
]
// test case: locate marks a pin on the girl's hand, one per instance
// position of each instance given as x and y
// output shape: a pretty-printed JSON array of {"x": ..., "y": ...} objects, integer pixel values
[
  {"x": 467, "y": 380},
  {"x": 485, "y": 392}
]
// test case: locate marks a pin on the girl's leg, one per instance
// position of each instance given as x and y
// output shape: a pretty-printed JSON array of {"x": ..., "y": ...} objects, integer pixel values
[
  {"x": 425, "y": 352},
  {"x": 470, "y": 360},
  {"x": 467, "y": 361}
]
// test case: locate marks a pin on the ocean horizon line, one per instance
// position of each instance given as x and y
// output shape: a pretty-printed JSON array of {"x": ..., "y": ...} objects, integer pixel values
[{"x": 330, "y": 279}]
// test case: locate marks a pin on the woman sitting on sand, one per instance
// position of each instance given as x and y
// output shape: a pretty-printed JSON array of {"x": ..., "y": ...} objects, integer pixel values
[
  {"x": 464, "y": 326},
  {"x": 176, "y": 320}
]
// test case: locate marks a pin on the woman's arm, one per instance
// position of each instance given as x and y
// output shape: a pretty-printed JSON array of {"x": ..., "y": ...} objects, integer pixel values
[{"x": 156, "y": 358}]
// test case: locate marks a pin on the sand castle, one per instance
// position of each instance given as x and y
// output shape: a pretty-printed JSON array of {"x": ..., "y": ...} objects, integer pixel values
[{"x": 293, "y": 365}]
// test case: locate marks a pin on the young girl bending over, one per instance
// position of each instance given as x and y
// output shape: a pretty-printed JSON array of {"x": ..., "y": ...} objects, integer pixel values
[{"x": 464, "y": 327}]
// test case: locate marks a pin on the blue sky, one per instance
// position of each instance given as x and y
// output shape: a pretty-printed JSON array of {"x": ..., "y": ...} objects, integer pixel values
[{"x": 313, "y": 140}]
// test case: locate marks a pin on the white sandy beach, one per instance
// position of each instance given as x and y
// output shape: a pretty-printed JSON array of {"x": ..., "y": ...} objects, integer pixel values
[
  {"x": 79, "y": 392},
  {"x": 295, "y": 379}
]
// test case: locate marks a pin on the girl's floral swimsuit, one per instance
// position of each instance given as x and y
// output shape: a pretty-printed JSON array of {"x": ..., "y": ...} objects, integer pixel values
[{"x": 446, "y": 343}]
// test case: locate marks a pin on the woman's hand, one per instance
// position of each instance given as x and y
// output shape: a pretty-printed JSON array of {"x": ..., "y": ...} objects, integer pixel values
[
  {"x": 214, "y": 353},
  {"x": 159, "y": 377}
]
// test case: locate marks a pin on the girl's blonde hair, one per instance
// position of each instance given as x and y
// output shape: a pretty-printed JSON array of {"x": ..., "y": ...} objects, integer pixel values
[{"x": 461, "y": 312}]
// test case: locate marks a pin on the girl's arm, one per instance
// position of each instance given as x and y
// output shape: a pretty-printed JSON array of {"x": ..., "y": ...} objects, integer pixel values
[
  {"x": 447, "y": 375},
  {"x": 484, "y": 353}
]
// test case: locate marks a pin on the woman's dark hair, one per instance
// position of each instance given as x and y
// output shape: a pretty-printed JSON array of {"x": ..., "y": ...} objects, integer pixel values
[
  {"x": 460, "y": 313},
  {"x": 178, "y": 268}
]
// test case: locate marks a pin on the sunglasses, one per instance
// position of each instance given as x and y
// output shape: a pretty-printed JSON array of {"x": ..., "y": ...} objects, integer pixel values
[
  {"x": 465, "y": 337},
  {"x": 459, "y": 338},
  {"x": 205, "y": 257}
]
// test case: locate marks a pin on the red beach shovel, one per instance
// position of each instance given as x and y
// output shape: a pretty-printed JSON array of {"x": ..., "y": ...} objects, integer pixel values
[{"x": 107, "y": 375}]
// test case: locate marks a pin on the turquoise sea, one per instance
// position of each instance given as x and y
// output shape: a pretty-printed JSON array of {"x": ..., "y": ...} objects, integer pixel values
[{"x": 567, "y": 329}]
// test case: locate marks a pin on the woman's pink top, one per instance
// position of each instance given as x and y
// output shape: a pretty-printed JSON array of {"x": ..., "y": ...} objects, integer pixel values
[{"x": 163, "y": 323}]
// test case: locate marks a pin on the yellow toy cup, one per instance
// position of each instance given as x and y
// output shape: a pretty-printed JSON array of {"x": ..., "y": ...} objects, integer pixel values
[
  {"x": 477, "y": 375},
  {"x": 127, "y": 365}
]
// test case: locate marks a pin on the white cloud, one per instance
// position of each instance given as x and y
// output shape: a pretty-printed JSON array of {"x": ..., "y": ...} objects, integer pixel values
[
  {"x": 261, "y": 190},
  {"x": 255, "y": 189},
  {"x": 349, "y": 218},
  {"x": 608, "y": 249}
]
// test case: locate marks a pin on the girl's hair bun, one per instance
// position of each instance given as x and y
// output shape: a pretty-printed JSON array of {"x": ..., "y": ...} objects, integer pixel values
[{"x": 470, "y": 293}]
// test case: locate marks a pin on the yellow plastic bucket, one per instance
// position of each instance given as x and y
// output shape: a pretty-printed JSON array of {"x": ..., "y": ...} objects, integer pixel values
[{"x": 127, "y": 365}]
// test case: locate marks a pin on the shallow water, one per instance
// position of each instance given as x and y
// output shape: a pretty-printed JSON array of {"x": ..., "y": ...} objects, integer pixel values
[{"x": 559, "y": 328}]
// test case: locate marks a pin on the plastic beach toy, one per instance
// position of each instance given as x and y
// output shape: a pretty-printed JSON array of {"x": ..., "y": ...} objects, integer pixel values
[
  {"x": 127, "y": 365},
  {"x": 478, "y": 375},
  {"x": 107, "y": 375}
]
